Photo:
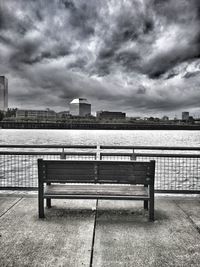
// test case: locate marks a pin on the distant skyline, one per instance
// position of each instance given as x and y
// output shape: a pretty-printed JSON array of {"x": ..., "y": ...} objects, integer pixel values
[{"x": 141, "y": 57}]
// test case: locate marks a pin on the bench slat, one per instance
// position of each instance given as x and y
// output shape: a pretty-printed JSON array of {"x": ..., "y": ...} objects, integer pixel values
[
  {"x": 132, "y": 179},
  {"x": 70, "y": 165},
  {"x": 75, "y": 178},
  {"x": 70, "y": 179},
  {"x": 113, "y": 197},
  {"x": 96, "y": 189},
  {"x": 70, "y": 172},
  {"x": 121, "y": 181},
  {"x": 122, "y": 171},
  {"x": 131, "y": 165},
  {"x": 71, "y": 168}
]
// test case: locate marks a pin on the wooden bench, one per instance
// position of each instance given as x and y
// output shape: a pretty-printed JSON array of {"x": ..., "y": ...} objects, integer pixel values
[{"x": 96, "y": 179}]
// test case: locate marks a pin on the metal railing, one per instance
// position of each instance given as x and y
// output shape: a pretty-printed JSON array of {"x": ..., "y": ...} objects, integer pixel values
[
  {"x": 177, "y": 168},
  {"x": 18, "y": 167}
]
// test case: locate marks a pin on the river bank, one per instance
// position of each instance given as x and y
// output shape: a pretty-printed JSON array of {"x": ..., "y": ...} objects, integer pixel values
[{"x": 96, "y": 126}]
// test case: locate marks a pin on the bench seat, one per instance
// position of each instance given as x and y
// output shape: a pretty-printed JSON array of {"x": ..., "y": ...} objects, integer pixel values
[{"x": 96, "y": 191}]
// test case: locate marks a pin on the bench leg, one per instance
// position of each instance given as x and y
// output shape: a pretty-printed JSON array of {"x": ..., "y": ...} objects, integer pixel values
[
  {"x": 151, "y": 210},
  {"x": 40, "y": 200},
  {"x": 146, "y": 204},
  {"x": 41, "y": 207},
  {"x": 48, "y": 203}
]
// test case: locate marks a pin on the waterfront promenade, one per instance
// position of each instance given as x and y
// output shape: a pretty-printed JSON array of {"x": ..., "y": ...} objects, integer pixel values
[{"x": 107, "y": 233}]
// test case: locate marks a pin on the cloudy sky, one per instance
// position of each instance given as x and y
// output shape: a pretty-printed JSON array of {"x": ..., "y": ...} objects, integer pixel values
[{"x": 137, "y": 56}]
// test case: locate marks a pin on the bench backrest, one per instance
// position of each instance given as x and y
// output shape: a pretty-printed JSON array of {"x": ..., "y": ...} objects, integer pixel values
[
  {"x": 67, "y": 171},
  {"x": 96, "y": 171},
  {"x": 130, "y": 172}
]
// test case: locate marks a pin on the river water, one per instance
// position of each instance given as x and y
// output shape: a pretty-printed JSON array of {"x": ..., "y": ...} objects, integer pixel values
[
  {"x": 171, "y": 173},
  {"x": 100, "y": 137}
]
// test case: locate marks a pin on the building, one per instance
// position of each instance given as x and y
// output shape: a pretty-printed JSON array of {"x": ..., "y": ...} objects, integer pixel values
[
  {"x": 110, "y": 115},
  {"x": 35, "y": 114},
  {"x": 165, "y": 118},
  {"x": 3, "y": 93},
  {"x": 191, "y": 119},
  {"x": 80, "y": 107},
  {"x": 185, "y": 116},
  {"x": 63, "y": 114}
]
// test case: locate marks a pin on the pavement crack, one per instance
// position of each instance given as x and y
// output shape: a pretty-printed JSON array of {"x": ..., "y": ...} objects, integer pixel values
[
  {"x": 93, "y": 235},
  {"x": 188, "y": 217},
  {"x": 15, "y": 203}
]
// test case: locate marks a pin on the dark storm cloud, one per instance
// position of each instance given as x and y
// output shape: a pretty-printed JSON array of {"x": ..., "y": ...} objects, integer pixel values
[
  {"x": 131, "y": 55},
  {"x": 191, "y": 74},
  {"x": 180, "y": 21}
]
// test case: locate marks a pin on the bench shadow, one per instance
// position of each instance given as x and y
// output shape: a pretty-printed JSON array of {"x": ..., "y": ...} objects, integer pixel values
[
  {"x": 59, "y": 211},
  {"x": 108, "y": 215},
  {"x": 137, "y": 218}
]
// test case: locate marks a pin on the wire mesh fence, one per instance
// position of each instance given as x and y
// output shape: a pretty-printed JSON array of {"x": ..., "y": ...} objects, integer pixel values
[
  {"x": 21, "y": 171},
  {"x": 175, "y": 172}
]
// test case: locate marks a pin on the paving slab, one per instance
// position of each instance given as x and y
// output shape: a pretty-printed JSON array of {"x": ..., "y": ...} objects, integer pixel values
[
  {"x": 6, "y": 203},
  {"x": 63, "y": 238},
  {"x": 124, "y": 237},
  {"x": 191, "y": 208}
]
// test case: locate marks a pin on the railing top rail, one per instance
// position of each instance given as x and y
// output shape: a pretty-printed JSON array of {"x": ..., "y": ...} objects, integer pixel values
[
  {"x": 49, "y": 146},
  {"x": 105, "y": 147},
  {"x": 47, "y": 153},
  {"x": 152, "y": 147},
  {"x": 158, "y": 155}
]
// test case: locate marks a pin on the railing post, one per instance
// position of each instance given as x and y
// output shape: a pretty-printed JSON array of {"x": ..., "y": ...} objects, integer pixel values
[
  {"x": 41, "y": 178},
  {"x": 62, "y": 155},
  {"x": 133, "y": 156},
  {"x": 98, "y": 152}
]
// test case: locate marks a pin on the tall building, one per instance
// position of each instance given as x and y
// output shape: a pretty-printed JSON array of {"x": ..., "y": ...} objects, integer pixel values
[
  {"x": 3, "y": 93},
  {"x": 185, "y": 116},
  {"x": 80, "y": 107}
]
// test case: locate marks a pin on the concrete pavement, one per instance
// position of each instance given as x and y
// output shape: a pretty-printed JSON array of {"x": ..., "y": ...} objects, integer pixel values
[{"x": 118, "y": 233}]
